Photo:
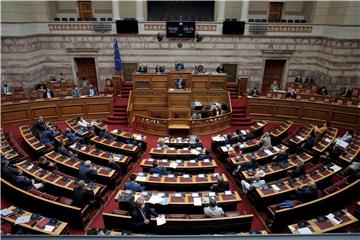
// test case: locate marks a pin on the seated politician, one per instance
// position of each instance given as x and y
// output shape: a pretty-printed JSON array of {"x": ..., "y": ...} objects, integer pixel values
[
  {"x": 221, "y": 185},
  {"x": 309, "y": 80},
  {"x": 48, "y": 94},
  {"x": 158, "y": 169},
  {"x": 179, "y": 66},
  {"x": 291, "y": 93},
  {"x": 346, "y": 93},
  {"x": 140, "y": 215},
  {"x": 133, "y": 185},
  {"x": 274, "y": 87},
  {"x": 298, "y": 79},
  {"x": 180, "y": 83},
  {"x": 159, "y": 69},
  {"x": 220, "y": 69},
  {"x": 254, "y": 92},
  {"x": 213, "y": 211},
  {"x": 323, "y": 91},
  {"x": 83, "y": 196},
  {"x": 142, "y": 69}
]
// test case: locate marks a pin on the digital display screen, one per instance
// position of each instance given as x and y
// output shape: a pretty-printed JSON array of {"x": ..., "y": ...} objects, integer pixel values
[{"x": 180, "y": 29}]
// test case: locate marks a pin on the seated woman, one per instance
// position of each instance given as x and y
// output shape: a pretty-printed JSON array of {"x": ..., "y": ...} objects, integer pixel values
[
  {"x": 323, "y": 91},
  {"x": 236, "y": 152}
]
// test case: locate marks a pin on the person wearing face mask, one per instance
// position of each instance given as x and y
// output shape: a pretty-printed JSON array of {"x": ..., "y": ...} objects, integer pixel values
[{"x": 140, "y": 215}]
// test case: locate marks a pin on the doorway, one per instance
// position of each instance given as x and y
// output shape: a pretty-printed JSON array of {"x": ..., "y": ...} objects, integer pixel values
[
  {"x": 85, "y": 10},
  {"x": 273, "y": 72},
  {"x": 275, "y": 9},
  {"x": 231, "y": 71},
  {"x": 86, "y": 68}
]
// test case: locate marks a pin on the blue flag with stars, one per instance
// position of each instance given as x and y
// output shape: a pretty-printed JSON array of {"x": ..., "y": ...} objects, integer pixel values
[{"x": 117, "y": 58}]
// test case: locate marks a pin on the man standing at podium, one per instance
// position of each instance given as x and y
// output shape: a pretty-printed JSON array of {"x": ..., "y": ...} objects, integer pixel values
[{"x": 180, "y": 83}]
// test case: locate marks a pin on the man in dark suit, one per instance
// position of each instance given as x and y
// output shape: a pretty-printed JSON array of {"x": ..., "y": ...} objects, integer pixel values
[
  {"x": 307, "y": 193},
  {"x": 76, "y": 92},
  {"x": 204, "y": 113},
  {"x": 323, "y": 91},
  {"x": 221, "y": 185},
  {"x": 298, "y": 79},
  {"x": 281, "y": 157},
  {"x": 7, "y": 171},
  {"x": 254, "y": 92},
  {"x": 82, "y": 195},
  {"x": 298, "y": 171},
  {"x": 346, "y": 93},
  {"x": 291, "y": 93},
  {"x": 203, "y": 156},
  {"x": 142, "y": 69},
  {"x": 92, "y": 91},
  {"x": 140, "y": 215},
  {"x": 220, "y": 69},
  {"x": 196, "y": 144},
  {"x": 87, "y": 172},
  {"x": 180, "y": 83},
  {"x": 38, "y": 126},
  {"x": 48, "y": 94},
  {"x": 158, "y": 169},
  {"x": 309, "y": 80},
  {"x": 132, "y": 185},
  {"x": 179, "y": 66}
]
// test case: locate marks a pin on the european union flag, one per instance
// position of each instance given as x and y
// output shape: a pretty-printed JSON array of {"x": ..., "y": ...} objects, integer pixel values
[{"x": 117, "y": 58}]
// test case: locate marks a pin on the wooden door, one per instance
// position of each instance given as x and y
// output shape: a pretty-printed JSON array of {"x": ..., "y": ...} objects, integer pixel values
[
  {"x": 273, "y": 72},
  {"x": 86, "y": 68},
  {"x": 231, "y": 70},
  {"x": 85, "y": 10},
  {"x": 275, "y": 9}
]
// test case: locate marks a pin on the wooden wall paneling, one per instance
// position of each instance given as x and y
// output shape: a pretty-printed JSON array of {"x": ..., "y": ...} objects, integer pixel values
[{"x": 70, "y": 110}]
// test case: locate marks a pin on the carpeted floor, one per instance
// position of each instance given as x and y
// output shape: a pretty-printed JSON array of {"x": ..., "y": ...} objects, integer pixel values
[{"x": 97, "y": 221}]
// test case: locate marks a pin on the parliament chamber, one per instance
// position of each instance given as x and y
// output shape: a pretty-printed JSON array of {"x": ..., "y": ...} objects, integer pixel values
[{"x": 180, "y": 119}]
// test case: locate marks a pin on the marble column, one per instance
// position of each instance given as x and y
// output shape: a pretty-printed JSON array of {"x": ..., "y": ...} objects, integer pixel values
[
  {"x": 140, "y": 10},
  {"x": 115, "y": 10},
  {"x": 245, "y": 10},
  {"x": 221, "y": 11}
]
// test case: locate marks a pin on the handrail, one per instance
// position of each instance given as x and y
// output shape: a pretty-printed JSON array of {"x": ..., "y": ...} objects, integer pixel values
[
  {"x": 229, "y": 99},
  {"x": 129, "y": 108}
]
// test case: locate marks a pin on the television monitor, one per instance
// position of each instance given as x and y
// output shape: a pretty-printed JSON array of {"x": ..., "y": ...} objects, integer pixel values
[
  {"x": 180, "y": 29},
  {"x": 127, "y": 26}
]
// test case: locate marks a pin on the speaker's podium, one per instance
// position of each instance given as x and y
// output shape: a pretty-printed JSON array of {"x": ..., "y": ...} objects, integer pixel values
[{"x": 179, "y": 101}]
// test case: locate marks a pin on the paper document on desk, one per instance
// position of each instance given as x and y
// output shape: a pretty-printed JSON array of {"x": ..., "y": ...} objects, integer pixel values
[
  {"x": 160, "y": 220},
  {"x": 29, "y": 167},
  {"x": 268, "y": 152},
  {"x": 6, "y": 212},
  {"x": 23, "y": 219},
  {"x": 300, "y": 138},
  {"x": 197, "y": 201},
  {"x": 139, "y": 178},
  {"x": 194, "y": 151},
  {"x": 305, "y": 230},
  {"x": 49, "y": 228},
  {"x": 243, "y": 132},
  {"x": 332, "y": 218},
  {"x": 224, "y": 149},
  {"x": 138, "y": 137},
  {"x": 155, "y": 199},
  {"x": 173, "y": 165},
  {"x": 327, "y": 140},
  {"x": 276, "y": 188},
  {"x": 276, "y": 149},
  {"x": 336, "y": 168}
]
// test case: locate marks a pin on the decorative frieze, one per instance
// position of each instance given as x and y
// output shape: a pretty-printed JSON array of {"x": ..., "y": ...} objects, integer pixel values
[{"x": 290, "y": 28}]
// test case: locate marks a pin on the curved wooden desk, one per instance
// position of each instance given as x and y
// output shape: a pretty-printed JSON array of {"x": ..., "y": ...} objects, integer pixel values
[
  {"x": 56, "y": 109},
  {"x": 304, "y": 111}
]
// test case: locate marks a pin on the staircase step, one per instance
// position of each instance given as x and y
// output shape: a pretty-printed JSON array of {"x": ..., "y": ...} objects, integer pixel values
[
  {"x": 119, "y": 118},
  {"x": 249, "y": 123},
  {"x": 122, "y": 114},
  {"x": 240, "y": 119},
  {"x": 115, "y": 122},
  {"x": 237, "y": 115}
]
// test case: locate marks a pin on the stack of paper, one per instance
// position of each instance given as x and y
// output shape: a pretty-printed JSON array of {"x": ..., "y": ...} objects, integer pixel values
[
  {"x": 268, "y": 152},
  {"x": 224, "y": 149},
  {"x": 276, "y": 149},
  {"x": 336, "y": 168},
  {"x": 194, "y": 151},
  {"x": 173, "y": 165},
  {"x": 276, "y": 188},
  {"x": 49, "y": 228}
]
